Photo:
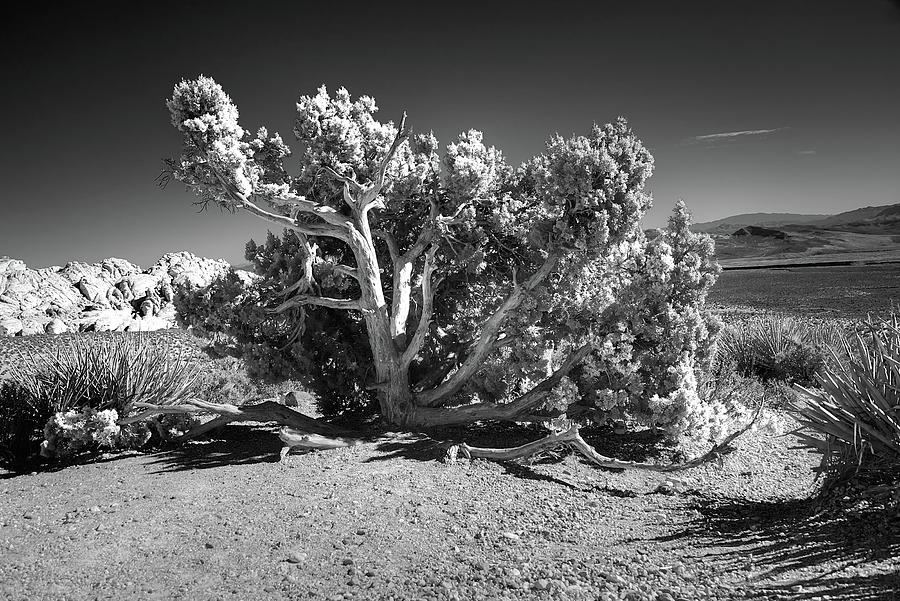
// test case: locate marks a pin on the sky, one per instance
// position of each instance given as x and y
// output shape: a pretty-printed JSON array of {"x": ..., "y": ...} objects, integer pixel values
[{"x": 759, "y": 106}]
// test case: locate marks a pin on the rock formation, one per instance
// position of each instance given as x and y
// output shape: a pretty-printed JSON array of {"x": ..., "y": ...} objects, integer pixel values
[{"x": 112, "y": 295}]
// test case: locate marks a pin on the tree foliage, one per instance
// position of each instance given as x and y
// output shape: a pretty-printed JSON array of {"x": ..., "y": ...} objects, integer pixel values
[{"x": 484, "y": 290}]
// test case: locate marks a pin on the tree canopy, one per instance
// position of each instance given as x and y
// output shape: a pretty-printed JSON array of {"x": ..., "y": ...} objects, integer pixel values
[{"x": 485, "y": 290}]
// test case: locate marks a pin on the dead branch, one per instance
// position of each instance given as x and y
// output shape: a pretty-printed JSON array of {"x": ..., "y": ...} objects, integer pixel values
[
  {"x": 302, "y": 300},
  {"x": 269, "y": 410},
  {"x": 572, "y": 438}
]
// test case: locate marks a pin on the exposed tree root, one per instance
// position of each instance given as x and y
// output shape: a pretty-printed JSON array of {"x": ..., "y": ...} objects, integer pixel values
[
  {"x": 298, "y": 430},
  {"x": 572, "y": 438},
  {"x": 312, "y": 442},
  {"x": 307, "y": 433}
]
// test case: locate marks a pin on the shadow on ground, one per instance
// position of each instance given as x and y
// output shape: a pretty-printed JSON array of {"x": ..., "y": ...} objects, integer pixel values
[
  {"x": 430, "y": 446},
  {"x": 834, "y": 548},
  {"x": 230, "y": 445}
]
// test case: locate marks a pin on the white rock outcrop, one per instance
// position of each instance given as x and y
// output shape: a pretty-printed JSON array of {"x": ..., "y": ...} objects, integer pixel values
[{"x": 112, "y": 295}]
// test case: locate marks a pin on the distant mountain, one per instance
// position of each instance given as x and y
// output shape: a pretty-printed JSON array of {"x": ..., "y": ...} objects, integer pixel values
[
  {"x": 858, "y": 216},
  {"x": 729, "y": 225},
  {"x": 855, "y": 219},
  {"x": 867, "y": 233}
]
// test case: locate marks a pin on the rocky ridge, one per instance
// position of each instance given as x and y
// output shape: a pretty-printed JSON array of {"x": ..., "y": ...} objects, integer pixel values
[{"x": 112, "y": 295}]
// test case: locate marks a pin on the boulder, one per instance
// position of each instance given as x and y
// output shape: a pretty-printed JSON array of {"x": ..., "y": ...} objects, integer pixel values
[
  {"x": 106, "y": 320},
  {"x": 7, "y": 264},
  {"x": 149, "y": 323},
  {"x": 32, "y": 326},
  {"x": 112, "y": 270},
  {"x": 55, "y": 326},
  {"x": 137, "y": 285},
  {"x": 186, "y": 269},
  {"x": 94, "y": 289},
  {"x": 10, "y": 326}
]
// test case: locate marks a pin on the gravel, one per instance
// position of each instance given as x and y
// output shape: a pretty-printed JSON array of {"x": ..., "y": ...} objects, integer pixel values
[{"x": 221, "y": 519}]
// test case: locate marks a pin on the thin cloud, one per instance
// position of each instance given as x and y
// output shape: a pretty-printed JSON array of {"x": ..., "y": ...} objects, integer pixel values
[
  {"x": 806, "y": 152},
  {"x": 730, "y": 135}
]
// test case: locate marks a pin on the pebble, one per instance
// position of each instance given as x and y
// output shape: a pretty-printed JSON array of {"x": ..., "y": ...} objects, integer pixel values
[
  {"x": 614, "y": 578},
  {"x": 297, "y": 557}
]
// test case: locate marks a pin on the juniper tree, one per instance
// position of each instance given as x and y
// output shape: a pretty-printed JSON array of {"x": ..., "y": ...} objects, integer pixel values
[{"x": 487, "y": 291}]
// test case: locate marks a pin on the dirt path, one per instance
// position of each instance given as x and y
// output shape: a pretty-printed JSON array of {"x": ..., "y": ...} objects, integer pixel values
[{"x": 220, "y": 520}]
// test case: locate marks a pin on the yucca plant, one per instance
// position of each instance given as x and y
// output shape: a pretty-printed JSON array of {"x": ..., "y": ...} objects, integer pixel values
[
  {"x": 777, "y": 348},
  {"x": 90, "y": 375},
  {"x": 853, "y": 417},
  {"x": 107, "y": 373}
]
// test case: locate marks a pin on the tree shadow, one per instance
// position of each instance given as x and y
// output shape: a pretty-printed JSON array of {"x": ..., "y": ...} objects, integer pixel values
[
  {"x": 799, "y": 535},
  {"x": 432, "y": 446},
  {"x": 230, "y": 445}
]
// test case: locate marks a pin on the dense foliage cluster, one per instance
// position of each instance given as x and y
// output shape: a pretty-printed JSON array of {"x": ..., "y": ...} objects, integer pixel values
[{"x": 328, "y": 346}]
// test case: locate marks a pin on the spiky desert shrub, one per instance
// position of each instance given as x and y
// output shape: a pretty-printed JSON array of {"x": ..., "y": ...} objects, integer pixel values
[
  {"x": 72, "y": 395},
  {"x": 853, "y": 417},
  {"x": 22, "y": 420},
  {"x": 105, "y": 373},
  {"x": 776, "y": 347}
]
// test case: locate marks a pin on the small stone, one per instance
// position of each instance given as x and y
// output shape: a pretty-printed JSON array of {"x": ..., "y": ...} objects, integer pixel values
[
  {"x": 511, "y": 536},
  {"x": 28, "y": 516},
  {"x": 297, "y": 557},
  {"x": 542, "y": 584},
  {"x": 209, "y": 545},
  {"x": 95, "y": 509},
  {"x": 481, "y": 565},
  {"x": 361, "y": 532},
  {"x": 347, "y": 562},
  {"x": 614, "y": 578}
]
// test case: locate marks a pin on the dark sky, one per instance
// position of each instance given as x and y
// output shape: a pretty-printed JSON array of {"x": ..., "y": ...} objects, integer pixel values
[{"x": 814, "y": 85}]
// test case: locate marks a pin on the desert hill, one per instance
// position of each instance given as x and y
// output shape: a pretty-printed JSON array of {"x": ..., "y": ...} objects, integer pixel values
[
  {"x": 729, "y": 225},
  {"x": 866, "y": 234}
]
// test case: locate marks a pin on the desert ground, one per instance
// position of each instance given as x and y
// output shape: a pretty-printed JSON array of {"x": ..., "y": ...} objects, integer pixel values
[{"x": 222, "y": 518}]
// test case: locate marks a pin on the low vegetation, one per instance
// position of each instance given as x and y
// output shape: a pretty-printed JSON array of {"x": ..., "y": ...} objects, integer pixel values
[
  {"x": 778, "y": 348},
  {"x": 852, "y": 416},
  {"x": 67, "y": 399}
]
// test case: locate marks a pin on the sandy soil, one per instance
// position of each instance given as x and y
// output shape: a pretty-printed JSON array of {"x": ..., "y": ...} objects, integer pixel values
[{"x": 222, "y": 519}]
